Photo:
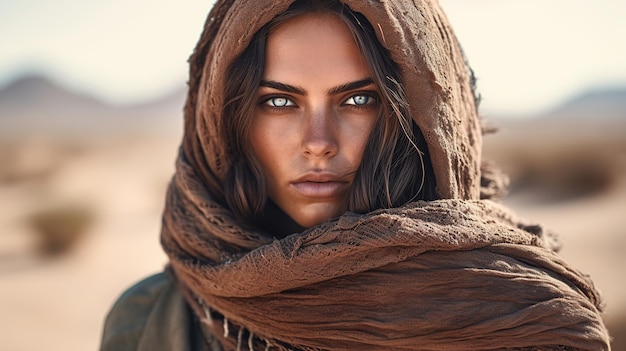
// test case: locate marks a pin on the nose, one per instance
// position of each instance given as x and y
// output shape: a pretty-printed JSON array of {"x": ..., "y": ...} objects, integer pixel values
[{"x": 320, "y": 135}]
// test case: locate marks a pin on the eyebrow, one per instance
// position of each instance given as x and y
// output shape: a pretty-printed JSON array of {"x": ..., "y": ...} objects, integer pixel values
[
  {"x": 350, "y": 86},
  {"x": 332, "y": 91},
  {"x": 283, "y": 87}
]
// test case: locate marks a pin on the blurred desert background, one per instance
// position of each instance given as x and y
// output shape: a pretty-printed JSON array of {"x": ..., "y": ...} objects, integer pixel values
[{"x": 83, "y": 171}]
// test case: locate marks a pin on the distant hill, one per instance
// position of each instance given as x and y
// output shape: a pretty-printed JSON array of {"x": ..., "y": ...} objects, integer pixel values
[
  {"x": 596, "y": 103},
  {"x": 31, "y": 94},
  {"x": 36, "y": 105}
]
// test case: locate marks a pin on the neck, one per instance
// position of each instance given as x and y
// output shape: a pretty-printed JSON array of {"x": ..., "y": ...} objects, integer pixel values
[{"x": 276, "y": 222}]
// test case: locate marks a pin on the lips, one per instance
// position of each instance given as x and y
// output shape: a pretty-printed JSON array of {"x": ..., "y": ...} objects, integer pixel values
[{"x": 320, "y": 185}]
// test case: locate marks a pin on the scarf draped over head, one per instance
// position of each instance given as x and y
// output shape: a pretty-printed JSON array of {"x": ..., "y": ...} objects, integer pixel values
[{"x": 460, "y": 273}]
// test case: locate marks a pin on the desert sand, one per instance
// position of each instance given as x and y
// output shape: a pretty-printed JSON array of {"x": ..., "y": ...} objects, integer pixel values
[{"x": 58, "y": 299}]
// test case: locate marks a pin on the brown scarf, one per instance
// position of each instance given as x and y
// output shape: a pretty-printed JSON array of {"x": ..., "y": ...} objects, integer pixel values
[
  {"x": 452, "y": 274},
  {"x": 442, "y": 275}
]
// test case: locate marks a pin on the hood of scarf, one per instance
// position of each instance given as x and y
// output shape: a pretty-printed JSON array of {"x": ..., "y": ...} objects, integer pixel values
[
  {"x": 454, "y": 274},
  {"x": 420, "y": 41}
]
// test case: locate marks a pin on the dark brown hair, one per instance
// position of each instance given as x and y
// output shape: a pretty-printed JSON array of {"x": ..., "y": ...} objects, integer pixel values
[{"x": 395, "y": 168}]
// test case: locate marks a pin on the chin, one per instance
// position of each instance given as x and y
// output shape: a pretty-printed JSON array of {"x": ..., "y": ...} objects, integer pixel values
[{"x": 310, "y": 219}]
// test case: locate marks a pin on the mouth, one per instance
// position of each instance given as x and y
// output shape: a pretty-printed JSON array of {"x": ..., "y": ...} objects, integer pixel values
[{"x": 320, "y": 185}]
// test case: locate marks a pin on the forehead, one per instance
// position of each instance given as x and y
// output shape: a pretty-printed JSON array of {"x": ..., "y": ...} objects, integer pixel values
[{"x": 318, "y": 44}]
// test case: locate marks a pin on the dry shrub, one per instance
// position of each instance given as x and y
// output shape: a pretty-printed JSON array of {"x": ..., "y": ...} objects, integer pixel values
[
  {"x": 554, "y": 162},
  {"x": 563, "y": 176},
  {"x": 59, "y": 229}
]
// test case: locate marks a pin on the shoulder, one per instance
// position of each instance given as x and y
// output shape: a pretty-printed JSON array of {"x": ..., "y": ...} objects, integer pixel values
[
  {"x": 145, "y": 291},
  {"x": 148, "y": 316}
]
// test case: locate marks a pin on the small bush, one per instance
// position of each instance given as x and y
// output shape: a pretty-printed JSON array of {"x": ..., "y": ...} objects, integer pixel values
[{"x": 61, "y": 228}]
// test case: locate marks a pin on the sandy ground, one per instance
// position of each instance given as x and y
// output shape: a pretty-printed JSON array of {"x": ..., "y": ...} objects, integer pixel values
[{"x": 59, "y": 302}]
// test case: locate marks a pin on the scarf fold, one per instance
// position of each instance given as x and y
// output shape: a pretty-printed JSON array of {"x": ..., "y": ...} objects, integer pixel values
[
  {"x": 453, "y": 274},
  {"x": 439, "y": 275}
]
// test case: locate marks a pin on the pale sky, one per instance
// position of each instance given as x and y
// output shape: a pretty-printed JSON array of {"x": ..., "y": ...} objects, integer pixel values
[{"x": 529, "y": 55}]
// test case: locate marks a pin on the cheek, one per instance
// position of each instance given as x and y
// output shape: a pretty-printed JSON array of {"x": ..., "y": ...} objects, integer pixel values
[
  {"x": 267, "y": 142},
  {"x": 262, "y": 150},
  {"x": 357, "y": 138}
]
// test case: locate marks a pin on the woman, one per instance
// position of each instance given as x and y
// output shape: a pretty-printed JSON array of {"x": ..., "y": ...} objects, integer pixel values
[{"x": 329, "y": 195}]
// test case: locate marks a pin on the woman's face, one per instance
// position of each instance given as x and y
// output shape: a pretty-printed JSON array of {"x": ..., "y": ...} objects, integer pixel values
[{"x": 316, "y": 107}]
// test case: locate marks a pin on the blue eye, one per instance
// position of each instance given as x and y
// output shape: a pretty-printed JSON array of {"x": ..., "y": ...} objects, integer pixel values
[
  {"x": 360, "y": 100},
  {"x": 279, "y": 102}
]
